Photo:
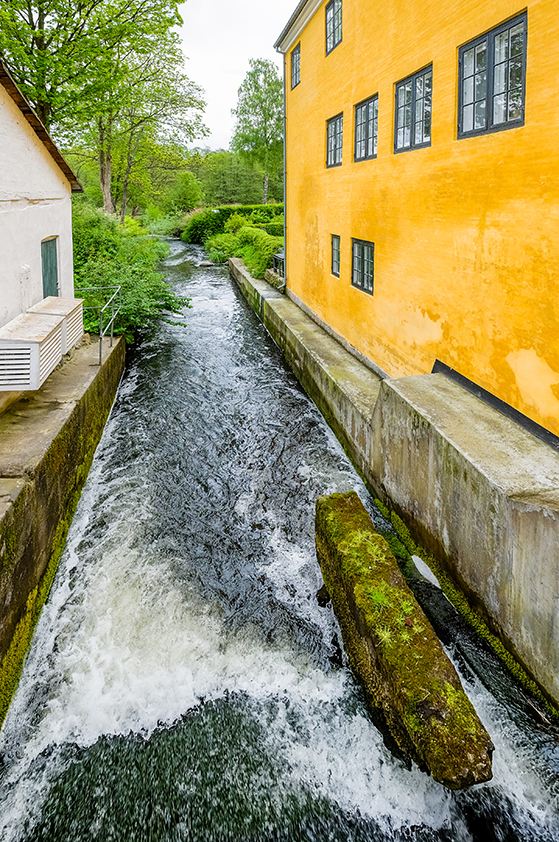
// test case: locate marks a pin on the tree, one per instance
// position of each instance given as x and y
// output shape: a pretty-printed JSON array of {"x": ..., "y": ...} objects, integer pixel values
[
  {"x": 106, "y": 74},
  {"x": 258, "y": 134},
  {"x": 61, "y": 51}
]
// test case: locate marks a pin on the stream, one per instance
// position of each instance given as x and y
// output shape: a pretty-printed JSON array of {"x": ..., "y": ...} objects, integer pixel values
[{"x": 183, "y": 682}]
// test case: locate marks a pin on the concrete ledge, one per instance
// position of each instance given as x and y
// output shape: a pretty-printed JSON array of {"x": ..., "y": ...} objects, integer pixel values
[
  {"x": 476, "y": 489},
  {"x": 47, "y": 442},
  {"x": 482, "y": 494}
]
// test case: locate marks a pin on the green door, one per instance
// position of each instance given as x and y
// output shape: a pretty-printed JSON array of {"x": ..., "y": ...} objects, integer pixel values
[{"x": 50, "y": 267}]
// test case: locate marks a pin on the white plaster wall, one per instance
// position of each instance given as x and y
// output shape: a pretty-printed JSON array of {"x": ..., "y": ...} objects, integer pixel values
[{"x": 35, "y": 204}]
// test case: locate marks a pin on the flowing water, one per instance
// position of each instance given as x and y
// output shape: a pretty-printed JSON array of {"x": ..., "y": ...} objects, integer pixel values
[{"x": 184, "y": 683}]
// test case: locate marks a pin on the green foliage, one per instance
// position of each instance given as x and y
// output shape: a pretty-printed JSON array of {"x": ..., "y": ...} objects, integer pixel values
[
  {"x": 235, "y": 222},
  {"x": 63, "y": 52},
  {"x": 253, "y": 245},
  {"x": 227, "y": 179},
  {"x": 108, "y": 254},
  {"x": 185, "y": 195},
  {"x": 205, "y": 223},
  {"x": 257, "y": 248},
  {"x": 258, "y": 134}
]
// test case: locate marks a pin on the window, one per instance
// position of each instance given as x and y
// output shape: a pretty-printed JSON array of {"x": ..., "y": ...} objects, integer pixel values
[
  {"x": 334, "y": 139},
  {"x": 362, "y": 265},
  {"x": 295, "y": 66},
  {"x": 333, "y": 24},
  {"x": 413, "y": 111},
  {"x": 366, "y": 126},
  {"x": 491, "y": 76},
  {"x": 336, "y": 255}
]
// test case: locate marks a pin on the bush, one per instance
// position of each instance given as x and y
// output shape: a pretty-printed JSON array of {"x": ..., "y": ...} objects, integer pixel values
[
  {"x": 222, "y": 246},
  {"x": 204, "y": 224},
  {"x": 257, "y": 249},
  {"x": 109, "y": 254},
  {"x": 235, "y": 222}
]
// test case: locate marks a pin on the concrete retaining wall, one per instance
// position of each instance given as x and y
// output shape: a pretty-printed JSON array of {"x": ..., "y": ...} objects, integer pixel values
[
  {"x": 47, "y": 442},
  {"x": 475, "y": 489}
]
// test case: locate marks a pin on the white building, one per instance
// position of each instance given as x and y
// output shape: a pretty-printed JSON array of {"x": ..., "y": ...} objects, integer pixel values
[{"x": 36, "y": 184}]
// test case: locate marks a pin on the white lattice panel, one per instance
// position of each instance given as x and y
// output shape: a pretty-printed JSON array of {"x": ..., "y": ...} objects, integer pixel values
[
  {"x": 72, "y": 310},
  {"x": 30, "y": 349}
]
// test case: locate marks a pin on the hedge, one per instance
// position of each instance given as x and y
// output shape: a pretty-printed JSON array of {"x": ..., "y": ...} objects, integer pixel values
[{"x": 205, "y": 223}]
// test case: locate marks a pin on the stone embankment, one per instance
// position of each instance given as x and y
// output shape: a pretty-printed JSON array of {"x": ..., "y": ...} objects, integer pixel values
[
  {"x": 393, "y": 649},
  {"x": 474, "y": 488},
  {"x": 47, "y": 442}
]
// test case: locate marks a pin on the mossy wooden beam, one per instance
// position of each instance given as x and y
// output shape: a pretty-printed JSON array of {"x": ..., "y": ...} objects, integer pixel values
[{"x": 394, "y": 650}]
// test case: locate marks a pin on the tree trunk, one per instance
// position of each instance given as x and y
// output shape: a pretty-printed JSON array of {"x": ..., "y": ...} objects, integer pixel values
[
  {"x": 265, "y": 196},
  {"x": 105, "y": 168}
]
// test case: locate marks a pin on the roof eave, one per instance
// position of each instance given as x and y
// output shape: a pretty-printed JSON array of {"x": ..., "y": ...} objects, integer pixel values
[
  {"x": 296, "y": 23},
  {"x": 7, "y": 82}
]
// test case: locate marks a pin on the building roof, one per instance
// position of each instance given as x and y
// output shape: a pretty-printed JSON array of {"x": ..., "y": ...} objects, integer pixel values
[
  {"x": 7, "y": 81},
  {"x": 296, "y": 23}
]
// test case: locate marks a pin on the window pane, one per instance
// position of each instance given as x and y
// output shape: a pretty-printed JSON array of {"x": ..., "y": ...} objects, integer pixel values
[
  {"x": 499, "y": 108},
  {"x": 515, "y": 74},
  {"x": 400, "y": 139},
  {"x": 419, "y": 105},
  {"x": 515, "y": 105},
  {"x": 481, "y": 56},
  {"x": 517, "y": 39},
  {"x": 419, "y": 87},
  {"x": 428, "y": 83},
  {"x": 480, "y": 115},
  {"x": 468, "y": 118},
  {"x": 407, "y": 116},
  {"x": 481, "y": 86},
  {"x": 502, "y": 47},
  {"x": 427, "y": 123},
  {"x": 418, "y": 136},
  {"x": 400, "y": 117},
  {"x": 408, "y": 92},
  {"x": 499, "y": 79},
  {"x": 401, "y": 95},
  {"x": 468, "y": 90},
  {"x": 469, "y": 63}
]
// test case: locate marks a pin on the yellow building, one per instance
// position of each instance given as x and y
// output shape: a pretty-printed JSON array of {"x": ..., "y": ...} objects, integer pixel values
[{"x": 422, "y": 187}]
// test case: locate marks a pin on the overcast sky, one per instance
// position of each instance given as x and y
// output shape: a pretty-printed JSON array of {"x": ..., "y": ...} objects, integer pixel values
[{"x": 219, "y": 38}]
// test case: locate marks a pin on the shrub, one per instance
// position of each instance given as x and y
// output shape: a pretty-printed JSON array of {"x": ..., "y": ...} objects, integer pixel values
[
  {"x": 257, "y": 249},
  {"x": 253, "y": 245},
  {"x": 235, "y": 222},
  {"x": 222, "y": 246},
  {"x": 109, "y": 254},
  {"x": 205, "y": 223}
]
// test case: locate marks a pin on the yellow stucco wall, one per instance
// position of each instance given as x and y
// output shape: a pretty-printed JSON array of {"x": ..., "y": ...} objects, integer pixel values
[{"x": 466, "y": 232}]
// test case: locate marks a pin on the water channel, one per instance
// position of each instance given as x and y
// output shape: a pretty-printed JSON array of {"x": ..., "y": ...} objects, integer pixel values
[{"x": 184, "y": 683}]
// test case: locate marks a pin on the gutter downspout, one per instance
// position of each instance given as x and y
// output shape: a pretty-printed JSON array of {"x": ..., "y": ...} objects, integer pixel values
[{"x": 284, "y": 168}]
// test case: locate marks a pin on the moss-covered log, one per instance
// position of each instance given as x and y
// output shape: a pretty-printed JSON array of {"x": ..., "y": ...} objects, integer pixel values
[{"x": 394, "y": 650}]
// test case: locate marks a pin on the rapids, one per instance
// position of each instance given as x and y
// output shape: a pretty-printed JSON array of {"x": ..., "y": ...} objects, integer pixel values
[{"x": 183, "y": 682}]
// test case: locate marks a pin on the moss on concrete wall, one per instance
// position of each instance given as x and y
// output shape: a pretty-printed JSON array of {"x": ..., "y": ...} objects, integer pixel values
[{"x": 33, "y": 530}]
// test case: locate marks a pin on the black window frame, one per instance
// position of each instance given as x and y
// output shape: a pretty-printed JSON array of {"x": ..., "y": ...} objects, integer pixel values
[
  {"x": 336, "y": 7},
  {"x": 366, "y": 103},
  {"x": 337, "y": 133},
  {"x": 412, "y": 81},
  {"x": 296, "y": 66},
  {"x": 489, "y": 37},
  {"x": 336, "y": 251},
  {"x": 360, "y": 271}
]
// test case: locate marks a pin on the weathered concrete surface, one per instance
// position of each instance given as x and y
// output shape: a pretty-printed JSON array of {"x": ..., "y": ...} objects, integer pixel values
[
  {"x": 393, "y": 649},
  {"x": 47, "y": 442},
  {"x": 483, "y": 495},
  {"x": 477, "y": 490},
  {"x": 344, "y": 390}
]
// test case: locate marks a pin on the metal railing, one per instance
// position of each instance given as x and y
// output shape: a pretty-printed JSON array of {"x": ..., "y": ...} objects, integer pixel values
[{"x": 115, "y": 310}]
